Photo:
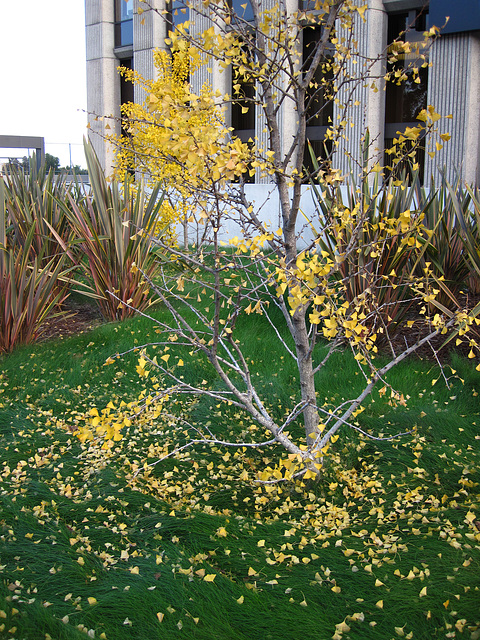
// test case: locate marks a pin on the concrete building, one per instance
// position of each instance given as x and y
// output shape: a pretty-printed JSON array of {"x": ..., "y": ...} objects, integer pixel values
[{"x": 118, "y": 34}]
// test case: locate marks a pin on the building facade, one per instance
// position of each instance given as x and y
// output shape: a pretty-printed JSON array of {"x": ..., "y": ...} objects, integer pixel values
[{"x": 118, "y": 33}]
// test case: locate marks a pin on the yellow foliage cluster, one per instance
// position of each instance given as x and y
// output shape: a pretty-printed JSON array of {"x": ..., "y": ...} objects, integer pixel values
[
  {"x": 343, "y": 296},
  {"x": 168, "y": 216},
  {"x": 177, "y": 137},
  {"x": 406, "y": 143},
  {"x": 106, "y": 426}
]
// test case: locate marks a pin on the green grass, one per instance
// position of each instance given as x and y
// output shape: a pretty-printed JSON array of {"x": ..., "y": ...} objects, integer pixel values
[{"x": 386, "y": 546}]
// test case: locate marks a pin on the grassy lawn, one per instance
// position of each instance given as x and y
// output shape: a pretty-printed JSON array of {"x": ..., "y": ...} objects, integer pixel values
[{"x": 94, "y": 543}]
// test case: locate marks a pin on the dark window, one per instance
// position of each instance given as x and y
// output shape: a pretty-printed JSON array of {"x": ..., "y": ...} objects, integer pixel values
[
  {"x": 243, "y": 107},
  {"x": 309, "y": 5},
  {"x": 126, "y": 88},
  {"x": 318, "y": 102},
  {"x": 123, "y": 23},
  {"x": 243, "y": 110},
  {"x": 404, "y": 100},
  {"x": 177, "y": 13},
  {"x": 242, "y": 9}
]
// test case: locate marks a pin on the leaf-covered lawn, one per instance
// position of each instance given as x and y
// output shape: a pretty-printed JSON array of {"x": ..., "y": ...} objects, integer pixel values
[{"x": 93, "y": 543}]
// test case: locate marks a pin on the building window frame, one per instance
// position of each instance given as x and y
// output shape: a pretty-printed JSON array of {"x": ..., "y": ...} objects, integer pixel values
[
  {"x": 319, "y": 110},
  {"x": 402, "y": 109},
  {"x": 123, "y": 21},
  {"x": 177, "y": 12}
]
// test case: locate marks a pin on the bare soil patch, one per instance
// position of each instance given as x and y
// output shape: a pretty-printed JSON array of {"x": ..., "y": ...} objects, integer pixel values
[{"x": 78, "y": 318}]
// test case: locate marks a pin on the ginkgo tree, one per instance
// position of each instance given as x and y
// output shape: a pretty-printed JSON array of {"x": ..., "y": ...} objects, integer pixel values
[
  {"x": 175, "y": 137},
  {"x": 346, "y": 283}
]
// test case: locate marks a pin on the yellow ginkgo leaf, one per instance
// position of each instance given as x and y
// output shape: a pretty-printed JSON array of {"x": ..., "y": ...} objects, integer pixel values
[{"x": 210, "y": 577}]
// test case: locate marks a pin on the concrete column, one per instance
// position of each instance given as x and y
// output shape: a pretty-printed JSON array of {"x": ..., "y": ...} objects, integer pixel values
[
  {"x": 103, "y": 87},
  {"x": 289, "y": 108},
  {"x": 376, "y": 48},
  {"x": 471, "y": 168},
  {"x": 449, "y": 91},
  {"x": 352, "y": 99},
  {"x": 149, "y": 33},
  {"x": 200, "y": 22},
  {"x": 262, "y": 137},
  {"x": 222, "y": 82}
]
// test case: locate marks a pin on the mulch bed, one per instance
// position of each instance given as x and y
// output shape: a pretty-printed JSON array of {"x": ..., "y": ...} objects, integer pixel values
[
  {"x": 78, "y": 318},
  {"x": 408, "y": 336}
]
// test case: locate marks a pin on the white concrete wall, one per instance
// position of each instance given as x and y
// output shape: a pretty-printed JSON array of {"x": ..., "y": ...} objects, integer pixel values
[{"x": 266, "y": 205}]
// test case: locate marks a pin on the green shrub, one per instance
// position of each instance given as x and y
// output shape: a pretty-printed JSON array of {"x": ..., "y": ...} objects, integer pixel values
[
  {"x": 113, "y": 230},
  {"x": 471, "y": 240},
  {"x": 31, "y": 284},
  {"x": 374, "y": 258},
  {"x": 446, "y": 210},
  {"x": 35, "y": 200}
]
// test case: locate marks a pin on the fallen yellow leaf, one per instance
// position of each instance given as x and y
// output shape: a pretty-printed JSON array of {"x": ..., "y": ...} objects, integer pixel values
[{"x": 210, "y": 577}]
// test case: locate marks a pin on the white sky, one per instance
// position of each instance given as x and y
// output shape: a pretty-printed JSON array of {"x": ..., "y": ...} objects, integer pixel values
[{"x": 42, "y": 75}]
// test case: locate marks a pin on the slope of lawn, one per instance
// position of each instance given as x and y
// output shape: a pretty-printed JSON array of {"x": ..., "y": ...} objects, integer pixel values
[{"x": 96, "y": 543}]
